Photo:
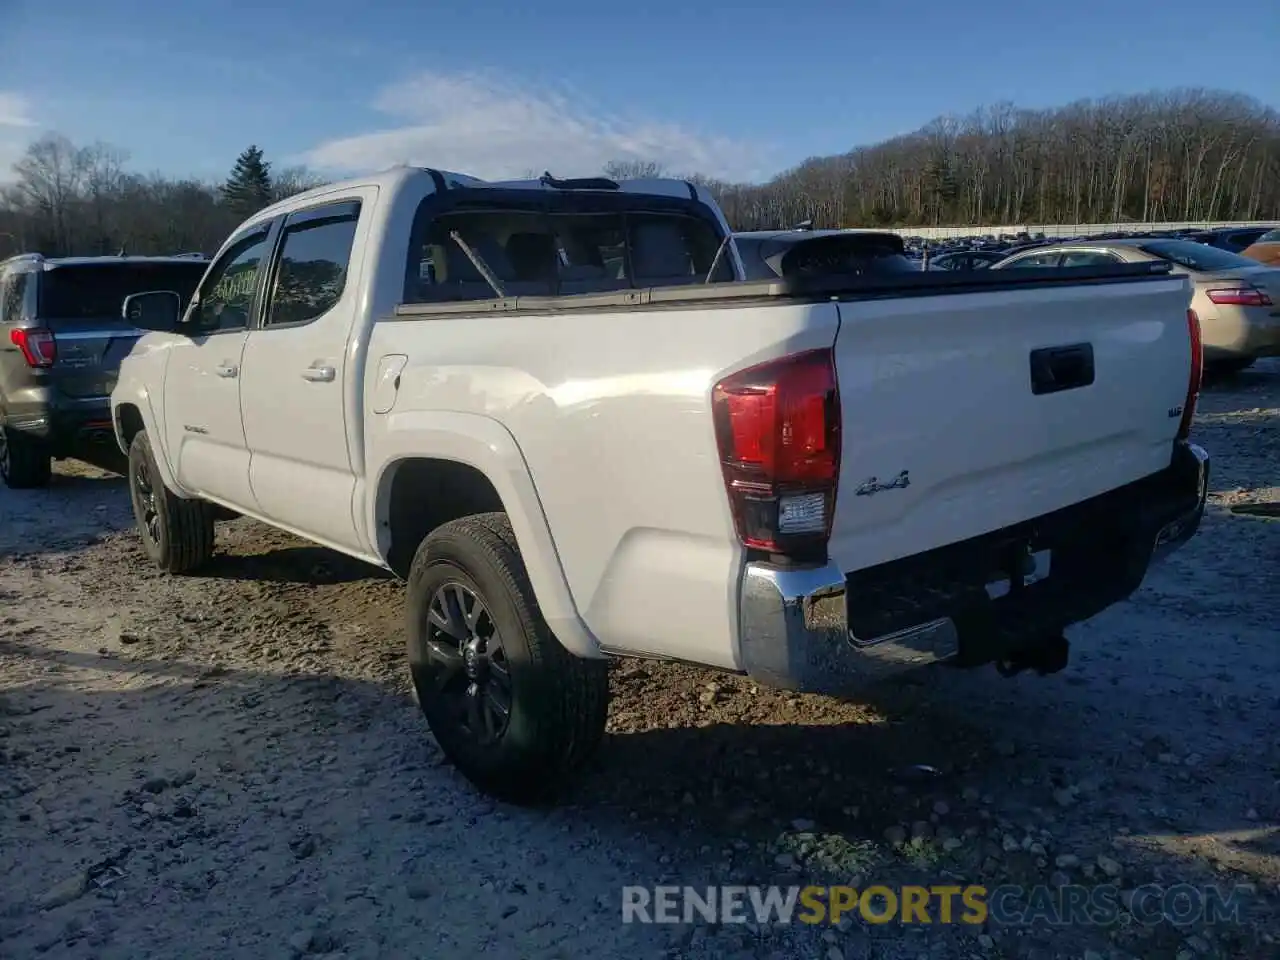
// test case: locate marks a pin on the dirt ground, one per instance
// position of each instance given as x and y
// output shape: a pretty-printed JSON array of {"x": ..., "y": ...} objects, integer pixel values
[{"x": 230, "y": 765}]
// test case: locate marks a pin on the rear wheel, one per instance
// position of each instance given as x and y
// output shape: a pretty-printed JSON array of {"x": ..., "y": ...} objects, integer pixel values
[
  {"x": 24, "y": 461},
  {"x": 177, "y": 534},
  {"x": 513, "y": 710}
]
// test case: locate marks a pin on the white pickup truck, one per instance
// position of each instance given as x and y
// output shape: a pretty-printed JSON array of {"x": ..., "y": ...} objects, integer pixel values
[{"x": 559, "y": 411}]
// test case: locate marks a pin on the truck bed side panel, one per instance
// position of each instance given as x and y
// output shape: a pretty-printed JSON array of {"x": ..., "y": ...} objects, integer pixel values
[{"x": 611, "y": 410}]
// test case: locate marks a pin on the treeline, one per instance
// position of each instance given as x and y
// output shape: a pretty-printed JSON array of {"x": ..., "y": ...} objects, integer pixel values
[
  {"x": 1182, "y": 155},
  {"x": 66, "y": 199}
]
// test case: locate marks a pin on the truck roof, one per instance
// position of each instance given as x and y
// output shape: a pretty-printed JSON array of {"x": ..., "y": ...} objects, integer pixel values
[
  {"x": 52, "y": 263},
  {"x": 396, "y": 177}
]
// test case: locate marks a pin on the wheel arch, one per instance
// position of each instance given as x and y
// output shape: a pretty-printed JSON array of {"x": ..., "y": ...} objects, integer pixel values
[
  {"x": 132, "y": 416},
  {"x": 474, "y": 465}
]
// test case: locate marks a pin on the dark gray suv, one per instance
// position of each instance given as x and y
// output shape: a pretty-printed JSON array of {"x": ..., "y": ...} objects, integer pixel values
[{"x": 61, "y": 342}]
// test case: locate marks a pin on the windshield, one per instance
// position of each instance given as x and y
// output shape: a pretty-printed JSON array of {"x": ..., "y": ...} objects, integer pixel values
[
  {"x": 1196, "y": 256},
  {"x": 1271, "y": 236},
  {"x": 97, "y": 290}
]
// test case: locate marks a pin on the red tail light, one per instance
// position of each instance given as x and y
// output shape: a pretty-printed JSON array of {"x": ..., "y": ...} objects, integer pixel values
[
  {"x": 37, "y": 345},
  {"x": 778, "y": 429},
  {"x": 1197, "y": 374},
  {"x": 1241, "y": 296}
]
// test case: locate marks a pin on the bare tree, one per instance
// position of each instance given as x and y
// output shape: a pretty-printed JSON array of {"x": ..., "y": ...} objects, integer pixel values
[{"x": 633, "y": 170}]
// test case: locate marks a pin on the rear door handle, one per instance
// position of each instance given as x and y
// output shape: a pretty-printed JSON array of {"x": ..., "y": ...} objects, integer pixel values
[
  {"x": 227, "y": 370},
  {"x": 319, "y": 374},
  {"x": 1068, "y": 367}
]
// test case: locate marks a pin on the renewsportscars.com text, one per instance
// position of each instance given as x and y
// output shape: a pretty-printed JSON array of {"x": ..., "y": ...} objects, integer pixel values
[{"x": 1073, "y": 904}]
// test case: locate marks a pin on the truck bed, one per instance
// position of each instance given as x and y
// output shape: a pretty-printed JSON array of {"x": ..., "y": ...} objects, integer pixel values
[{"x": 935, "y": 379}]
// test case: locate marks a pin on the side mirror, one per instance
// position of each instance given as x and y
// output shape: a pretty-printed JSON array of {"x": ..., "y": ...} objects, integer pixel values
[{"x": 158, "y": 310}]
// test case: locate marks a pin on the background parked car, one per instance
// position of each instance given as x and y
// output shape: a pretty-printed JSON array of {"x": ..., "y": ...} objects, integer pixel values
[
  {"x": 1236, "y": 299},
  {"x": 1231, "y": 239},
  {"x": 966, "y": 259},
  {"x": 1266, "y": 249},
  {"x": 771, "y": 254},
  {"x": 61, "y": 342}
]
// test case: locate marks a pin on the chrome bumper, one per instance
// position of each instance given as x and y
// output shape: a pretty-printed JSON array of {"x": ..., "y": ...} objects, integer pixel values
[
  {"x": 795, "y": 634},
  {"x": 1192, "y": 463},
  {"x": 794, "y": 628}
]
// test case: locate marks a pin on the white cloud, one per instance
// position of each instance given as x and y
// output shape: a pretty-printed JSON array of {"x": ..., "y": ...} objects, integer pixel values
[
  {"x": 494, "y": 128},
  {"x": 17, "y": 130},
  {"x": 15, "y": 110}
]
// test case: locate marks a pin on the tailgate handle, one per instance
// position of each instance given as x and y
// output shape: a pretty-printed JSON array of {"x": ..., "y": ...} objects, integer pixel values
[{"x": 1061, "y": 368}]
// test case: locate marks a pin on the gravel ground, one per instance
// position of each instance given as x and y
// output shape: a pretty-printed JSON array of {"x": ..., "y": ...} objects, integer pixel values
[{"x": 230, "y": 765}]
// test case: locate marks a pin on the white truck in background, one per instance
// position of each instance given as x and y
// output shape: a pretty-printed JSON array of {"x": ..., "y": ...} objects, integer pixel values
[{"x": 559, "y": 411}]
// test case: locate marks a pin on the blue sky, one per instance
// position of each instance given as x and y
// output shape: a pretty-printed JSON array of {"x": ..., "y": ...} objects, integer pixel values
[{"x": 496, "y": 88}]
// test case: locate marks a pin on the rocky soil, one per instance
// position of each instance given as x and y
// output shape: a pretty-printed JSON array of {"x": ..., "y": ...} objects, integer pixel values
[{"x": 229, "y": 765}]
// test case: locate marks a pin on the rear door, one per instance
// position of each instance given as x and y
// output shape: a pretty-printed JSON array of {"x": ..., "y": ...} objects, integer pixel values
[
  {"x": 298, "y": 383},
  {"x": 81, "y": 303}
]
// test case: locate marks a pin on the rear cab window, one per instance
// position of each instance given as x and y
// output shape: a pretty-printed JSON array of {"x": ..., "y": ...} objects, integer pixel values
[
  {"x": 79, "y": 292},
  {"x": 534, "y": 244}
]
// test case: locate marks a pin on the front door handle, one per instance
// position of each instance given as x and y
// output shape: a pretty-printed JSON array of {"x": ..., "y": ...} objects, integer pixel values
[
  {"x": 227, "y": 370},
  {"x": 319, "y": 374}
]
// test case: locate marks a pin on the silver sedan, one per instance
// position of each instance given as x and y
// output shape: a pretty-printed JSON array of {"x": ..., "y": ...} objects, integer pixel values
[{"x": 1236, "y": 299}]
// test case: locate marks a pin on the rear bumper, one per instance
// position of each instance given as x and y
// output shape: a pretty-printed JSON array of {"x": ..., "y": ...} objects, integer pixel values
[
  {"x": 63, "y": 425},
  {"x": 1246, "y": 333},
  {"x": 819, "y": 630}
]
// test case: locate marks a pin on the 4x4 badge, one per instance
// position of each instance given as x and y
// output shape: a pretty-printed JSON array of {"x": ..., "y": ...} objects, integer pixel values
[{"x": 872, "y": 485}]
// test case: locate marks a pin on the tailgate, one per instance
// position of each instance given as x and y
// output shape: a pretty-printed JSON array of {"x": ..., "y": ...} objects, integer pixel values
[
  {"x": 81, "y": 302},
  {"x": 965, "y": 413},
  {"x": 89, "y": 354}
]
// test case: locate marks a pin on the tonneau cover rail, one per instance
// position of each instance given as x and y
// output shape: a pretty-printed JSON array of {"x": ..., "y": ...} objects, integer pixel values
[{"x": 810, "y": 288}]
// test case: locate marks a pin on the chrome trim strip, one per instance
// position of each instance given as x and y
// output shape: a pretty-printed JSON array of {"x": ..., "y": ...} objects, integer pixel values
[{"x": 96, "y": 334}]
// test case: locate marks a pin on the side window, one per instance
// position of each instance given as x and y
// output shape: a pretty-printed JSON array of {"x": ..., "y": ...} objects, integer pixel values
[
  {"x": 226, "y": 295},
  {"x": 1038, "y": 260},
  {"x": 14, "y": 296},
  {"x": 312, "y": 271},
  {"x": 1088, "y": 258}
]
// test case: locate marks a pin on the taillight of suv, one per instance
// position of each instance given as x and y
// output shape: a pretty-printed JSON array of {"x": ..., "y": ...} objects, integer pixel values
[{"x": 37, "y": 345}]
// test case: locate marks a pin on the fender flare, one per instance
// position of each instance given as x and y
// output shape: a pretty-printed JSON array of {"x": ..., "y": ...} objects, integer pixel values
[
  {"x": 486, "y": 445},
  {"x": 140, "y": 399}
]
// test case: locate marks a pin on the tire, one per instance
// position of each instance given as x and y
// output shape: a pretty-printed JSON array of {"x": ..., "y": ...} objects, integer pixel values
[
  {"x": 177, "y": 534},
  {"x": 25, "y": 463},
  {"x": 555, "y": 703}
]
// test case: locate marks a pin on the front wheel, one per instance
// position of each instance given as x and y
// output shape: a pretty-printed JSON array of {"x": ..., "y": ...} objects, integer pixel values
[
  {"x": 177, "y": 534},
  {"x": 513, "y": 710}
]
